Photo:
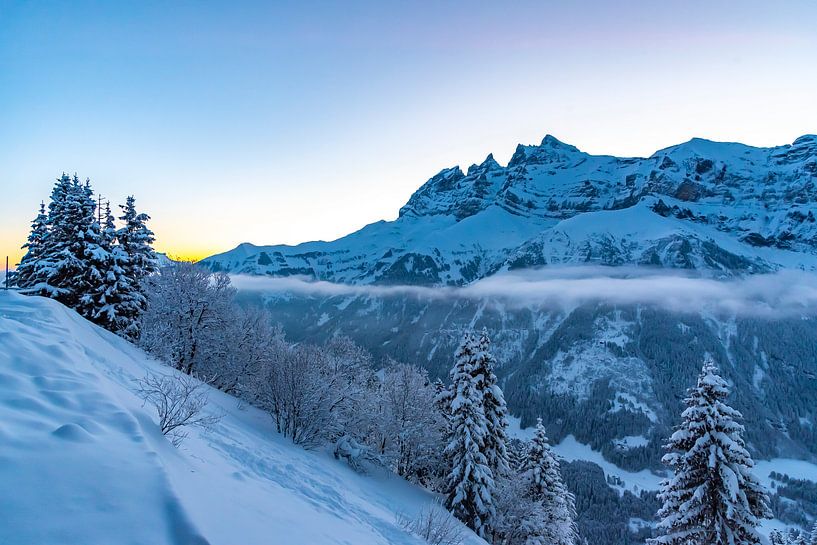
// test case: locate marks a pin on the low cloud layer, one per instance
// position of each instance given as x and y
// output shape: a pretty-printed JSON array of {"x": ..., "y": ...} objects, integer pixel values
[{"x": 778, "y": 294}]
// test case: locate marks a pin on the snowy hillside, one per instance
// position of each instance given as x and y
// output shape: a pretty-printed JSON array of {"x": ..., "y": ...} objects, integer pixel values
[
  {"x": 700, "y": 205},
  {"x": 82, "y": 460}
]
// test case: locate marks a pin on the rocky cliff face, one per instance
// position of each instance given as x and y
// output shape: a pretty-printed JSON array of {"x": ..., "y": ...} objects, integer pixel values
[{"x": 709, "y": 206}]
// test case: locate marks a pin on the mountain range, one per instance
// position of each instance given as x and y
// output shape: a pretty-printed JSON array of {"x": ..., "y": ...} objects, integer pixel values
[{"x": 700, "y": 205}]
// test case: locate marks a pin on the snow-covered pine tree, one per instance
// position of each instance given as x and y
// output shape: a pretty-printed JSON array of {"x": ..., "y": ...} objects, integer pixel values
[
  {"x": 556, "y": 524},
  {"x": 115, "y": 298},
  {"x": 50, "y": 262},
  {"x": 713, "y": 498},
  {"x": 796, "y": 537},
  {"x": 29, "y": 274},
  {"x": 813, "y": 537},
  {"x": 442, "y": 398},
  {"x": 517, "y": 452},
  {"x": 95, "y": 256},
  {"x": 470, "y": 482},
  {"x": 776, "y": 538},
  {"x": 63, "y": 263},
  {"x": 135, "y": 241},
  {"x": 493, "y": 405}
]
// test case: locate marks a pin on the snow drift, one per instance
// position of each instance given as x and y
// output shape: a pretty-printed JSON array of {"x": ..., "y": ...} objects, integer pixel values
[{"x": 82, "y": 461}]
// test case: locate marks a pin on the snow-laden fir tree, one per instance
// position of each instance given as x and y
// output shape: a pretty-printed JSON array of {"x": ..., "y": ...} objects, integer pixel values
[
  {"x": 776, "y": 538},
  {"x": 73, "y": 236},
  {"x": 493, "y": 405},
  {"x": 470, "y": 482},
  {"x": 713, "y": 498},
  {"x": 813, "y": 538},
  {"x": 795, "y": 537},
  {"x": 442, "y": 398},
  {"x": 96, "y": 257},
  {"x": 114, "y": 300},
  {"x": 50, "y": 263},
  {"x": 556, "y": 522},
  {"x": 136, "y": 240},
  {"x": 517, "y": 452},
  {"x": 29, "y": 274}
]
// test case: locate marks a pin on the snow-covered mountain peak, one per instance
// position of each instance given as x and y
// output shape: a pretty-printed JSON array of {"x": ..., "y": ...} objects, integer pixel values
[
  {"x": 551, "y": 150},
  {"x": 720, "y": 205},
  {"x": 806, "y": 140},
  {"x": 551, "y": 141},
  {"x": 487, "y": 165}
]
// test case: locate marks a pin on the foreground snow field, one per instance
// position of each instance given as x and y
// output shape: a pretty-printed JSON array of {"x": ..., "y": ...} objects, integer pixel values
[{"x": 83, "y": 462}]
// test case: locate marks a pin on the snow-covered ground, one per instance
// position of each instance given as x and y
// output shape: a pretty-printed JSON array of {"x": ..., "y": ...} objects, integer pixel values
[{"x": 83, "y": 462}]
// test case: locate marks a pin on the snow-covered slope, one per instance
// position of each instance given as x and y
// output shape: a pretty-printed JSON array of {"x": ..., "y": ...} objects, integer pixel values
[
  {"x": 704, "y": 205},
  {"x": 82, "y": 461}
]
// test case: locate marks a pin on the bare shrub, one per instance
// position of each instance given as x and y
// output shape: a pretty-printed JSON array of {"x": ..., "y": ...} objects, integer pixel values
[
  {"x": 434, "y": 524},
  {"x": 179, "y": 400}
]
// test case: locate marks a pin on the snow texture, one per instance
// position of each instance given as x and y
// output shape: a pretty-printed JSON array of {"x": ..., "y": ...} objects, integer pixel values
[{"x": 84, "y": 460}]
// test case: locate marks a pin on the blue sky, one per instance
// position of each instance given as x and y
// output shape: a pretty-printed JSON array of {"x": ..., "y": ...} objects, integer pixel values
[{"x": 274, "y": 122}]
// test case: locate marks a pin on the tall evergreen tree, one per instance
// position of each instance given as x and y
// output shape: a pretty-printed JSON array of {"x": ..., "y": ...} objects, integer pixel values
[
  {"x": 470, "y": 482},
  {"x": 813, "y": 537},
  {"x": 713, "y": 498},
  {"x": 114, "y": 298},
  {"x": 29, "y": 274},
  {"x": 493, "y": 405},
  {"x": 557, "y": 516},
  {"x": 517, "y": 453},
  {"x": 63, "y": 262},
  {"x": 136, "y": 240},
  {"x": 95, "y": 256}
]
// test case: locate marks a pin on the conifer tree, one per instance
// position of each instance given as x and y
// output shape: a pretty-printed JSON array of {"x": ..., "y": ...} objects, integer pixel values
[
  {"x": 776, "y": 538},
  {"x": 517, "y": 452},
  {"x": 442, "y": 398},
  {"x": 114, "y": 299},
  {"x": 63, "y": 262},
  {"x": 139, "y": 260},
  {"x": 136, "y": 240},
  {"x": 98, "y": 272},
  {"x": 813, "y": 537},
  {"x": 556, "y": 523},
  {"x": 94, "y": 256},
  {"x": 493, "y": 405},
  {"x": 713, "y": 498},
  {"x": 29, "y": 274},
  {"x": 796, "y": 537},
  {"x": 470, "y": 482}
]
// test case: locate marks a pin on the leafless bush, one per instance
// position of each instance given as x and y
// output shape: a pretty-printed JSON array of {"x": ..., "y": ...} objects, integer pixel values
[
  {"x": 179, "y": 400},
  {"x": 313, "y": 393},
  {"x": 434, "y": 524}
]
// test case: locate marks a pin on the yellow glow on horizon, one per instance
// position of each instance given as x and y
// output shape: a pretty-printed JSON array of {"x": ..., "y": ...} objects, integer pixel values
[
  {"x": 10, "y": 243},
  {"x": 181, "y": 253}
]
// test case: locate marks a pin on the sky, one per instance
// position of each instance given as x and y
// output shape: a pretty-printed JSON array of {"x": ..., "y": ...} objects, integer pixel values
[{"x": 273, "y": 122}]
